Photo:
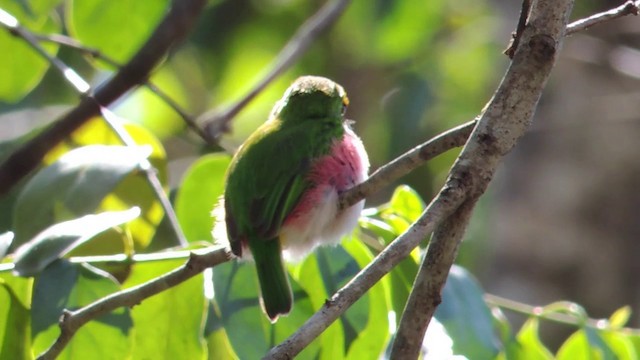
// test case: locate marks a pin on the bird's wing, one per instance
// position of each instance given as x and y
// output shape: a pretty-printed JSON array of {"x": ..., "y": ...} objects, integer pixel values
[{"x": 266, "y": 181}]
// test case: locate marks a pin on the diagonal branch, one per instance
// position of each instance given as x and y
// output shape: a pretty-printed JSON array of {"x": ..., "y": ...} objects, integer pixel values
[
  {"x": 505, "y": 120},
  {"x": 218, "y": 123},
  {"x": 173, "y": 28},
  {"x": 426, "y": 289},
  {"x": 97, "y": 54}
]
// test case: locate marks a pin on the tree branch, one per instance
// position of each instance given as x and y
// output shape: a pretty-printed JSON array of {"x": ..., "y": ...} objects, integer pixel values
[
  {"x": 515, "y": 36},
  {"x": 504, "y": 121},
  {"x": 628, "y": 8},
  {"x": 173, "y": 28},
  {"x": 71, "y": 321},
  {"x": 97, "y": 54},
  {"x": 427, "y": 287},
  {"x": 218, "y": 123}
]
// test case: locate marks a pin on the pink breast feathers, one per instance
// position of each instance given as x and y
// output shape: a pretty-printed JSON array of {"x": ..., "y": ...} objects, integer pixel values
[{"x": 316, "y": 220}]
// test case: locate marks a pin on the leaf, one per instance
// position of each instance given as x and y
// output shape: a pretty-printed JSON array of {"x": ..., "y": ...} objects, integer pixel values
[
  {"x": 620, "y": 343},
  {"x": 217, "y": 340},
  {"x": 236, "y": 294},
  {"x": 59, "y": 239},
  {"x": 15, "y": 318},
  {"x": 72, "y": 186},
  {"x": 372, "y": 339},
  {"x": 585, "y": 343},
  {"x": 201, "y": 188},
  {"x": 407, "y": 203},
  {"x": 99, "y": 24},
  {"x": 24, "y": 69},
  {"x": 70, "y": 286},
  {"x": 528, "y": 344},
  {"x": 466, "y": 316},
  {"x": 168, "y": 325},
  {"x": 132, "y": 190},
  {"x": 620, "y": 317}
]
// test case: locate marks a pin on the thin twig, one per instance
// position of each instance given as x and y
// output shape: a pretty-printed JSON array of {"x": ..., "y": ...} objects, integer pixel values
[
  {"x": 628, "y": 8},
  {"x": 71, "y": 321},
  {"x": 562, "y": 318},
  {"x": 218, "y": 123},
  {"x": 171, "y": 30},
  {"x": 97, "y": 54},
  {"x": 114, "y": 123},
  {"x": 522, "y": 22}
]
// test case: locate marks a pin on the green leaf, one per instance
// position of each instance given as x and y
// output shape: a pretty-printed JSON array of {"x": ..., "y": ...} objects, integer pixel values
[
  {"x": 15, "y": 317},
  {"x": 466, "y": 316},
  {"x": 59, "y": 239},
  {"x": 70, "y": 286},
  {"x": 528, "y": 344},
  {"x": 132, "y": 190},
  {"x": 236, "y": 294},
  {"x": 216, "y": 336},
  {"x": 585, "y": 343},
  {"x": 72, "y": 186},
  {"x": 372, "y": 339},
  {"x": 168, "y": 325},
  {"x": 201, "y": 188},
  {"x": 407, "y": 203},
  {"x": 24, "y": 69},
  {"x": 620, "y": 343},
  {"x": 117, "y": 28},
  {"x": 620, "y": 317}
]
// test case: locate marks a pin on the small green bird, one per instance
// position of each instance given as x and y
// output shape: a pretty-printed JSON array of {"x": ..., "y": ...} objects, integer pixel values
[{"x": 283, "y": 184}]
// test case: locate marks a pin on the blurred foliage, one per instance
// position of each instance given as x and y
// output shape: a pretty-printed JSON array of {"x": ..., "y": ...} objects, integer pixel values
[{"x": 412, "y": 69}]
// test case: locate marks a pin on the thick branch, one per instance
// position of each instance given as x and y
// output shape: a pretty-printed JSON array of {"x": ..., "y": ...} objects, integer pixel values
[
  {"x": 505, "y": 120},
  {"x": 71, "y": 321},
  {"x": 169, "y": 32},
  {"x": 425, "y": 296}
]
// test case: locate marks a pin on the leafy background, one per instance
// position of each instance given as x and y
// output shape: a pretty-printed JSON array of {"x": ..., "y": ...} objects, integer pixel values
[{"x": 411, "y": 71}]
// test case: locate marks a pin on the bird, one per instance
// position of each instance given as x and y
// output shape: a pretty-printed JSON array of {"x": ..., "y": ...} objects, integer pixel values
[{"x": 282, "y": 189}]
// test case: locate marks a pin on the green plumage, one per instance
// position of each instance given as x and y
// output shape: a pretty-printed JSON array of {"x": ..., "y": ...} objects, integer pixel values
[{"x": 269, "y": 174}]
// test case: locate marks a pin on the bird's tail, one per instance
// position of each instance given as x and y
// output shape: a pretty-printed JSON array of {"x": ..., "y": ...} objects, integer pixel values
[{"x": 274, "y": 284}]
